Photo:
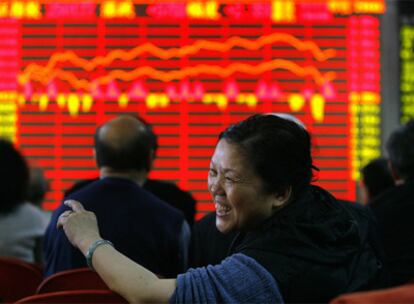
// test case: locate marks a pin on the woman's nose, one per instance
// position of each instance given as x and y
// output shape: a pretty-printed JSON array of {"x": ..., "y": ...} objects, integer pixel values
[{"x": 215, "y": 186}]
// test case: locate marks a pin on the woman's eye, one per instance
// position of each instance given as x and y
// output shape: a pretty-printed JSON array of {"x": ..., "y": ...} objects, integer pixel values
[
  {"x": 229, "y": 179},
  {"x": 212, "y": 172}
]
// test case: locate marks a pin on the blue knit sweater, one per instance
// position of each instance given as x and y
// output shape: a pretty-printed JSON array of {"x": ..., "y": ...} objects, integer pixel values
[{"x": 238, "y": 279}]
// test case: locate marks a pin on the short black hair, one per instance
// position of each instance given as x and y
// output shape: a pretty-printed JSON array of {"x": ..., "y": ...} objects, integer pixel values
[
  {"x": 278, "y": 148},
  {"x": 400, "y": 148},
  {"x": 376, "y": 176},
  {"x": 14, "y": 177},
  {"x": 135, "y": 154}
]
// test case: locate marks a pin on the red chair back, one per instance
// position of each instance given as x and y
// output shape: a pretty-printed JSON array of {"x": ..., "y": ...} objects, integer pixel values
[
  {"x": 400, "y": 294},
  {"x": 75, "y": 296},
  {"x": 73, "y": 279},
  {"x": 18, "y": 279}
]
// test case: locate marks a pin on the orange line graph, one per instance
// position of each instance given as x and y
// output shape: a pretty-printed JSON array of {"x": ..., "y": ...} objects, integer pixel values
[
  {"x": 166, "y": 76},
  {"x": 164, "y": 54}
]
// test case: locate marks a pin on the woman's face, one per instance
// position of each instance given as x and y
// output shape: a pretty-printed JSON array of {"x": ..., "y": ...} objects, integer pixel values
[{"x": 237, "y": 191}]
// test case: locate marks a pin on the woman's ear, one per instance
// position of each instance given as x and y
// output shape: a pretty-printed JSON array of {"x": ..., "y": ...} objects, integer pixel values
[
  {"x": 394, "y": 173},
  {"x": 282, "y": 199}
]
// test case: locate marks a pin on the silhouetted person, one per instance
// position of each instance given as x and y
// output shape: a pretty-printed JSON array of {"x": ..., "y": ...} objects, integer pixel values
[
  {"x": 22, "y": 225},
  {"x": 140, "y": 225},
  {"x": 395, "y": 208},
  {"x": 376, "y": 178}
]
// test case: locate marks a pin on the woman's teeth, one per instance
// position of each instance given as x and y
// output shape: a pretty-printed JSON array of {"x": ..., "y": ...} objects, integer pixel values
[{"x": 222, "y": 210}]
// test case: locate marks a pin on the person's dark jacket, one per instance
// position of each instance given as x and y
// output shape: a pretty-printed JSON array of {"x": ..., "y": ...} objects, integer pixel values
[
  {"x": 316, "y": 248},
  {"x": 140, "y": 225},
  {"x": 394, "y": 210},
  {"x": 208, "y": 246},
  {"x": 173, "y": 195}
]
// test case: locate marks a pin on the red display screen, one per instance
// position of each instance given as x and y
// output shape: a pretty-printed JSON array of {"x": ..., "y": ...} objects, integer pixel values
[{"x": 190, "y": 68}]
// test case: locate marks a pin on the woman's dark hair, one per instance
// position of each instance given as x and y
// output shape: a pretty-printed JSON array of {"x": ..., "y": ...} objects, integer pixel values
[
  {"x": 14, "y": 177},
  {"x": 278, "y": 148}
]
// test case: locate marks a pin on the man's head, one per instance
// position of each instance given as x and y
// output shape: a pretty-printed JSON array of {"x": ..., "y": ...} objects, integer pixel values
[
  {"x": 124, "y": 144},
  {"x": 400, "y": 148},
  {"x": 376, "y": 177}
]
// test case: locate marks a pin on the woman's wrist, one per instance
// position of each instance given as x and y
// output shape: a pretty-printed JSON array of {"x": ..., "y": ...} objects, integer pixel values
[
  {"x": 85, "y": 243},
  {"x": 91, "y": 251}
]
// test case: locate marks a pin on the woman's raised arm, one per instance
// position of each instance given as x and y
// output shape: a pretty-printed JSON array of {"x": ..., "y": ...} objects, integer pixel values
[{"x": 122, "y": 275}]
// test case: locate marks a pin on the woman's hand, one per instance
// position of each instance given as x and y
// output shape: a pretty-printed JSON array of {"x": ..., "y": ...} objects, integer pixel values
[{"x": 80, "y": 226}]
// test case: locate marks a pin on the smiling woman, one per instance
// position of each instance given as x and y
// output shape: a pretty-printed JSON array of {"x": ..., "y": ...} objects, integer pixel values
[
  {"x": 239, "y": 195},
  {"x": 258, "y": 166},
  {"x": 296, "y": 243}
]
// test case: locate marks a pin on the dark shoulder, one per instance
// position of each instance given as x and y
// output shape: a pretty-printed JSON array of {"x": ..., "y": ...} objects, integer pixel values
[
  {"x": 397, "y": 201},
  {"x": 355, "y": 208},
  {"x": 163, "y": 186},
  {"x": 168, "y": 192},
  {"x": 78, "y": 186},
  {"x": 209, "y": 220}
]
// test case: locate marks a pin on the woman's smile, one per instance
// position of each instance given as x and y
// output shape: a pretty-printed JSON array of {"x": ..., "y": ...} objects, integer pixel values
[{"x": 222, "y": 210}]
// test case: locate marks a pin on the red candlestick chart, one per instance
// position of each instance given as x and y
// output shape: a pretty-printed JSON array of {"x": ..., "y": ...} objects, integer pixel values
[{"x": 190, "y": 68}]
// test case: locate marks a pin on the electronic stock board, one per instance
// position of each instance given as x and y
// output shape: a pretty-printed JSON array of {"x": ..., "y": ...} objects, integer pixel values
[{"x": 190, "y": 68}]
